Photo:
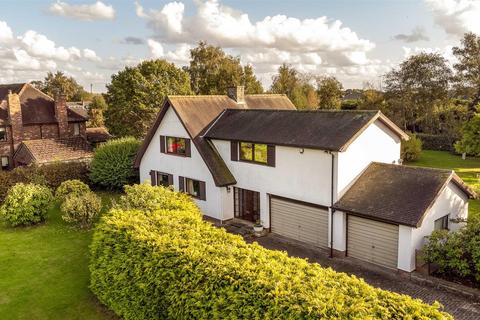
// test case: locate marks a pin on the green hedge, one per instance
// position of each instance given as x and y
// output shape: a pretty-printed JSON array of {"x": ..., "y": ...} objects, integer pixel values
[
  {"x": 51, "y": 175},
  {"x": 170, "y": 264},
  {"x": 436, "y": 142}
]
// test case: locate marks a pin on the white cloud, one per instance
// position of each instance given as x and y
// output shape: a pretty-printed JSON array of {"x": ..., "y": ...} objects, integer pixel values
[
  {"x": 88, "y": 12},
  {"x": 456, "y": 16},
  {"x": 5, "y": 32},
  {"x": 40, "y": 46},
  {"x": 156, "y": 48},
  {"x": 181, "y": 55},
  {"x": 90, "y": 55},
  {"x": 445, "y": 52}
]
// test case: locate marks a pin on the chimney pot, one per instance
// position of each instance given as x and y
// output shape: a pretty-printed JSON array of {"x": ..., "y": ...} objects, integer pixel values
[{"x": 237, "y": 93}]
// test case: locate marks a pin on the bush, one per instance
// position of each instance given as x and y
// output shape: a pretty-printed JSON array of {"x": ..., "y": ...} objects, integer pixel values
[
  {"x": 51, "y": 175},
  {"x": 456, "y": 253},
  {"x": 170, "y": 264},
  {"x": 436, "y": 142},
  {"x": 112, "y": 165},
  {"x": 81, "y": 209},
  {"x": 411, "y": 149},
  {"x": 26, "y": 204},
  {"x": 71, "y": 187}
]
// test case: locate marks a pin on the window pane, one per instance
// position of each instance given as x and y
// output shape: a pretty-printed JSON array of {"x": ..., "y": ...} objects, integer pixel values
[
  {"x": 3, "y": 134},
  {"x": 4, "y": 161},
  {"x": 176, "y": 145},
  {"x": 261, "y": 153},
  {"x": 441, "y": 224},
  {"x": 162, "y": 179},
  {"x": 193, "y": 187},
  {"x": 76, "y": 129},
  {"x": 246, "y": 151}
]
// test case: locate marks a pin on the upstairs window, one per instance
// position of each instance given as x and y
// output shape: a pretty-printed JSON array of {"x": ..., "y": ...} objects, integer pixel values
[
  {"x": 254, "y": 152},
  {"x": 442, "y": 223},
  {"x": 3, "y": 134}
]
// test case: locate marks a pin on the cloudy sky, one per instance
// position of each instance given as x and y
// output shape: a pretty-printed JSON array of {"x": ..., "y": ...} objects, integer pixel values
[{"x": 356, "y": 40}]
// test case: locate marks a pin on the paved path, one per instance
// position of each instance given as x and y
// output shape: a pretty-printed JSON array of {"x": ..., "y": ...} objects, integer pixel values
[{"x": 459, "y": 306}]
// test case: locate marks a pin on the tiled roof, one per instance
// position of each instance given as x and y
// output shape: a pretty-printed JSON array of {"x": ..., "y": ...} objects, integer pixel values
[
  {"x": 99, "y": 134},
  {"x": 397, "y": 194},
  {"x": 51, "y": 150},
  {"x": 320, "y": 129},
  {"x": 197, "y": 112}
]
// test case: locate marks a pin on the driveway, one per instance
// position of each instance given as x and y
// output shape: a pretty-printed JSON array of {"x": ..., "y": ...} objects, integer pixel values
[{"x": 459, "y": 306}]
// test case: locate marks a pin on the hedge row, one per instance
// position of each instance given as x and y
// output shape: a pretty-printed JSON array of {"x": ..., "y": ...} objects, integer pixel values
[
  {"x": 436, "y": 142},
  {"x": 170, "y": 264},
  {"x": 51, "y": 175}
]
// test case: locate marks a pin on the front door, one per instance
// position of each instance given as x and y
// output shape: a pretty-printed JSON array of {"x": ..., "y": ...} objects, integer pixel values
[{"x": 247, "y": 204}]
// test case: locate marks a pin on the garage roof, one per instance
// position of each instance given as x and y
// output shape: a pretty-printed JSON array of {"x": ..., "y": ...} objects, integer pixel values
[
  {"x": 397, "y": 194},
  {"x": 319, "y": 129}
]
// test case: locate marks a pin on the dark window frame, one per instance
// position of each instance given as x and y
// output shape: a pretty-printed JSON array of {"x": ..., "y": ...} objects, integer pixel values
[
  {"x": 163, "y": 183},
  {"x": 5, "y": 134},
  {"x": 185, "y": 140},
  {"x": 445, "y": 223},
  {"x": 242, "y": 159},
  {"x": 198, "y": 182},
  {"x": 202, "y": 187}
]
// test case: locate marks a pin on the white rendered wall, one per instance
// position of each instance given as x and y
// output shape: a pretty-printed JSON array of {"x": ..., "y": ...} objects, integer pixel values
[
  {"x": 450, "y": 201},
  {"x": 302, "y": 176},
  {"x": 376, "y": 143},
  {"x": 190, "y": 167}
]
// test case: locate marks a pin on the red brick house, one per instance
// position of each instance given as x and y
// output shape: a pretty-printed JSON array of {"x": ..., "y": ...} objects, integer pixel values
[{"x": 34, "y": 127}]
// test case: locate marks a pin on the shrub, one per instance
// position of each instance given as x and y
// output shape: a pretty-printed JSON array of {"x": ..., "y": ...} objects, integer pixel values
[
  {"x": 436, "y": 142},
  {"x": 411, "y": 149},
  {"x": 112, "y": 165},
  {"x": 81, "y": 209},
  {"x": 26, "y": 204},
  {"x": 170, "y": 264},
  {"x": 149, "y": 198},
  {"x": 456, "y": 253},
  {"x": 51, "y": 175},
  {"x": 71, "y": 187}
]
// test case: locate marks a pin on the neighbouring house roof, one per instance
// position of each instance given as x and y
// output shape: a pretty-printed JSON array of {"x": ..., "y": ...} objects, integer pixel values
[
  {"x": 197, "y": 112},
  {"x": 37, "y": 107},
  {"x": 319, "y": 129},
  {"x": 397, "y": 194},
  {"x": 52, "y": 150},
  {"x": 96, "y": 135}
]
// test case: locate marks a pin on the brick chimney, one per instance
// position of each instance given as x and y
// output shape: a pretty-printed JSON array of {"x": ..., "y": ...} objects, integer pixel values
[
  {"x": 237, "y": 93},
  {"x": 61, "y": 114},
  {"x": 15, "y": 114}
]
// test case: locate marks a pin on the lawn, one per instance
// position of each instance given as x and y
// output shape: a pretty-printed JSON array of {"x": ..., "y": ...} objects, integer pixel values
[
  {"x": 468, "y": 170},
  {"x": 44, "y": 272}
]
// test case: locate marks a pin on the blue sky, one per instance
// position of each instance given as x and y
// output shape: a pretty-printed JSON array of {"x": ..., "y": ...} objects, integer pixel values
[{"x": 356, "y": 41}]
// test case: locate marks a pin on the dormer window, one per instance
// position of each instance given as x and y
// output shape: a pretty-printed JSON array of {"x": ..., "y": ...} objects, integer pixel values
[{"x": 3, "y": 134}]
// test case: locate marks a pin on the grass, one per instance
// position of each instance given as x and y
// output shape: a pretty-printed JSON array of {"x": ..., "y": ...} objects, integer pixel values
[
  {"x": 468, "y": 170},
  {"x": 44, "y": 271}
]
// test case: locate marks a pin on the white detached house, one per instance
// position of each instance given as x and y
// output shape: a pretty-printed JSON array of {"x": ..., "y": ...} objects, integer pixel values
[{"x": 329, "y": 178}]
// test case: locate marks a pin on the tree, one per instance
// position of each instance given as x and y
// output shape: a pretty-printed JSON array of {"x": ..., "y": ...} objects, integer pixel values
[
  {"x": 96, "y": 110},
  {"x": 468, "y": 67},
  {"x": 58, "y": 82},
  {"x": 470, "y": 142},
  {"x": 285, "y": 81},
  {"x": 416, "y": 88},
  {"x": 135, "y": 95},
  {"x": 212, "y": 71},
  {"x": 330, "y": 93}
]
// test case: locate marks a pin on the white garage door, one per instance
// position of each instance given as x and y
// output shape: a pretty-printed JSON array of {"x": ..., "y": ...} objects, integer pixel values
[
  {"x": 299, "y": 221},
  {"x": 373, "y": 241}
]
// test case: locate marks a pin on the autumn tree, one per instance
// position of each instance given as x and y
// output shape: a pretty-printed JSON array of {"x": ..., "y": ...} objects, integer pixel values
[
  {"x": 96, "y": 109},
  {"x": 416, "y": 88},
  {"x": 58, "y": 82},
  {"x": 468, "y": 68},
  {"x": 135, "y": 95},
  {"x": 330, "y": 92},
  {"x": 212, "y": 71}
]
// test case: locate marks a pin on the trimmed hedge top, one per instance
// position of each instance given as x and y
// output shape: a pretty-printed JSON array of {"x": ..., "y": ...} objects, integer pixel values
[{"x": 170, "y": 264}]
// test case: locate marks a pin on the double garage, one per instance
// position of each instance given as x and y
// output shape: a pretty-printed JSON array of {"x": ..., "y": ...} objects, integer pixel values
[{"x": 366, "y": 239}]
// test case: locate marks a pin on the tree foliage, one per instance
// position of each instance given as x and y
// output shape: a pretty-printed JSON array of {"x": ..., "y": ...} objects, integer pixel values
[
  {"x": 470, "y": 142},
  {"x": 330, "y": 93},
  {"x": 212, "y": 71},
  {"x": 96, "y": 109},
  {"x": 58, "y": 82},
  {"x": 468, "y": 68},
  {"x": 414, "y": 89},
  {"x": 411, "y": 149},
  {"x": 297, "y": 86},
  {"x": 135, "y": 95}
]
